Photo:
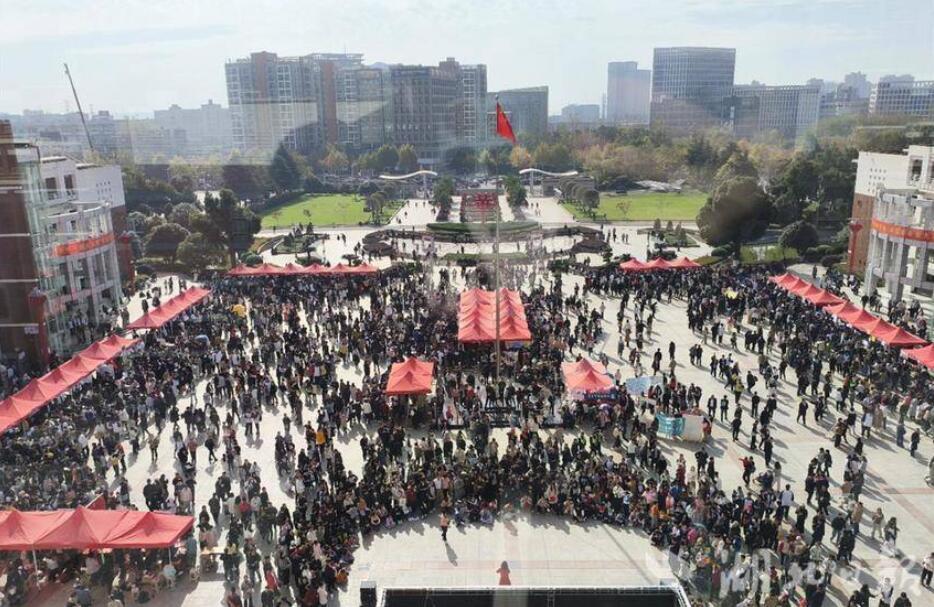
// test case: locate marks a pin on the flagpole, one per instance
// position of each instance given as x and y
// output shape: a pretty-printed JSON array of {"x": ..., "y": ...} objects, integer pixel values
[{"x": 496, "y": 286}]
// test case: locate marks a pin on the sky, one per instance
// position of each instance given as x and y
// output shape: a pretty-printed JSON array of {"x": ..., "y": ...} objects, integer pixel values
[{"x": 134, "y": 56}]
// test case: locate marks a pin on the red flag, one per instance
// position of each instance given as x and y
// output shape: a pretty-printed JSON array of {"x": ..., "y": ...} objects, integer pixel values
[{"x": 503, "y": 128}]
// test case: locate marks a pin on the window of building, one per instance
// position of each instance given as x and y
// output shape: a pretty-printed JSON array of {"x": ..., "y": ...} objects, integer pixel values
[{"x": 51, "y": 187}]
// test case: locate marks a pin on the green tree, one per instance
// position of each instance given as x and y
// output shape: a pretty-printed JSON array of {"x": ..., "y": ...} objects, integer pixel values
[
  {"x": 444, "y": 191},
  {"x": 515, "y": 192},
  {"x": 387, "y": 157},
  {"x": 553, "y": 156},
  {"x": 376, "y": 202},
  {"x": 246, "y": 180},
  {"x": 181, "y": 214},
  {"x": 163, "y": 241},
  {"x": 408, "y": 159},
  {"x": 737, "y": 211},
  {"x": 197, "y": 252},
  {"x": 284, "y": 171},
  {"x": 800, "y": 235},
  {"x": 336, "y": 161},
  {"x": 737, "y": 165},
  {"x": 227, "y": 223},
  {"x": 461, "y": 159}
]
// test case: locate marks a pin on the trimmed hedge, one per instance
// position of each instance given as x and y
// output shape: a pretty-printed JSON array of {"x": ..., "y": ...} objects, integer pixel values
[{"x": 507, "y": 227}]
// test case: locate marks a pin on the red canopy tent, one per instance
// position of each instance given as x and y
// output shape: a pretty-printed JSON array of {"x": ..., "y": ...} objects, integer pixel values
[
  {"x": 924, "y": 355},
  {"x": 293, "y": 269},
  {"x": 170, "y": 309},
  {"x": 633, "y": 265},
  {"x": 852, "y": 315},
  {"x": 87, "y": 529},
  {"x": 899, "y": 338},
  {"x": 413, "y": 376},
  {"x": 820, "y": 297},
  {"x": 586, "y": 377},
  {"x": 477, "y": 317},
  {"x": 241, "y": 270},
  {"x": 658, "y": 264},
  {"x": 107, "y": 349},
  {"x": 684, "y": 263}
]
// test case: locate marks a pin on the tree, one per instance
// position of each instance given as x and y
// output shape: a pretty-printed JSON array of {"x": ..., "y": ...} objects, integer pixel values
[
  {"x": 376, "y": 202},
  {"x": 284, "y": 171},
  {"x": 181, "y": 214},
  {"x": 461, "y": 159},
  {"x": 520, "y": 158},
  {"x": 515, "y": 192},
  {"x": 737, "y": 211},
  {"x": 799, "y": 235},
  {"x": 197, "y": 252},
  {"x": 554, "y": 156},
  {"x": 623, "y": 205},
  {"x": 386, "y": 158},
  {"x": 591, "y": 199},
  {"x": 245, "y": 179},
  {"x": 336, "y": 161},
  {"x": 408, "y": 159},
  {"x": 737, "y": 165},
  {"x": 227, "y": 223},
  {"x": 444, "y": 191},
  {"x": 163, "y": 241}
]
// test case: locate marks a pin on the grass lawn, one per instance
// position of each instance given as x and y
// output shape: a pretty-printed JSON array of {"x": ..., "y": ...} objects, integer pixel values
[
  {"x": 646, "y": 206},
  {"x": 323, "y": 210}
]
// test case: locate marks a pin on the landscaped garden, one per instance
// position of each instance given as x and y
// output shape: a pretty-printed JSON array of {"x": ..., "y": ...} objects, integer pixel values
[
  {"x": 643, "y": 206},
  {"x": 324, "y": 210}
]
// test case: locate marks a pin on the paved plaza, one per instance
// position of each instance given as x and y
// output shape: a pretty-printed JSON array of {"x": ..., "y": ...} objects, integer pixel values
[{"x": 552, "y": 551}]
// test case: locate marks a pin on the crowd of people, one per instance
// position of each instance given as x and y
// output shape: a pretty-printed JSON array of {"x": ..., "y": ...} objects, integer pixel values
[{"x": 282, "y": 347}]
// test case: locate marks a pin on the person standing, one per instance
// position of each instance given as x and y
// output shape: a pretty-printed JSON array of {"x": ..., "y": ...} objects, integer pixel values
[
  {"x": 886, "y": 590},
  {"x": 503, "y": 572},
  {"x": 445, "y": 523},
  {"x": 927, "y": 570}
]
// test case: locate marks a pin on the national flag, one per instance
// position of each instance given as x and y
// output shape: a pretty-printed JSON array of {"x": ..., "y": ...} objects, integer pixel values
[{"x": 503, "y": 128}]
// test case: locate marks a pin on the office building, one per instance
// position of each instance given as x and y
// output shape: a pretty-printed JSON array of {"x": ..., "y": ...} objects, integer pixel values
[
  {"x": 275, "y": 100},
  {"x": 527, "y": 109},
  {"x": 471, "y": 113},
  {"x": 791, "y": 111},
  {"x": 628, "y": 93},
  {"x": 909, "y": 98},
  {"x": 689, "y": 85},
  {"x": 843, "y": 101},
  {"x": 425, "y": 103},
  {"x": 364, "y": 109},
  {"x": 206, "y": 129},
  {"x": 858, "y": 83},
  {"x": 892, "y": 220},
  {"x": 580, "y": 114},
  {"x": 61, "y": 279}
]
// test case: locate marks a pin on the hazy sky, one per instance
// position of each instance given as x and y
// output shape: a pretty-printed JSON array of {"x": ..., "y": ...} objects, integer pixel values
[{"x": 133, "y": 56}]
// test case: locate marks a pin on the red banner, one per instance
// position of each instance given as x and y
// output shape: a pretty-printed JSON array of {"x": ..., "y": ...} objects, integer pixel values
[
  {"x": 82, "y": 246},
  {"x": 891, "y": 229}
]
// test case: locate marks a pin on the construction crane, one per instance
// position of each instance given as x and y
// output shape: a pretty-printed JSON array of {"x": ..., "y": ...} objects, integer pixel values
[{"x": 84, "y": 123}]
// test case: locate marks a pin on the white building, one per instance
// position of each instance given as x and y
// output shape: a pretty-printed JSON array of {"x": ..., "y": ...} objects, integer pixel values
[
  {"x": 893, "y": 221},
  {"x": 76, "y": 247}
]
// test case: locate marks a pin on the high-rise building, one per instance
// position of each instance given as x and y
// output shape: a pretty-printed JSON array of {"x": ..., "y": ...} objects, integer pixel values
[
  {"x": 425, "y": 104},
  {"x": 910, "y": 98},
  {"x": 471, "y": 115},
  {"x": 788, "y": 110},
  {"x": 61, "y": 273},
  {"x": 364, "y": 109},
  {"x": 857, "y": 81},
  {"x": 275, "y": 100},
  {"x": 628, "y": 93},
  {"x": 436, "y": 109},
  {"x": 207, "y": 129},
  {"x": 689, "y": 85},
  {"x": 527, "y": 109},
  {"x": 897, "y": 78}
]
